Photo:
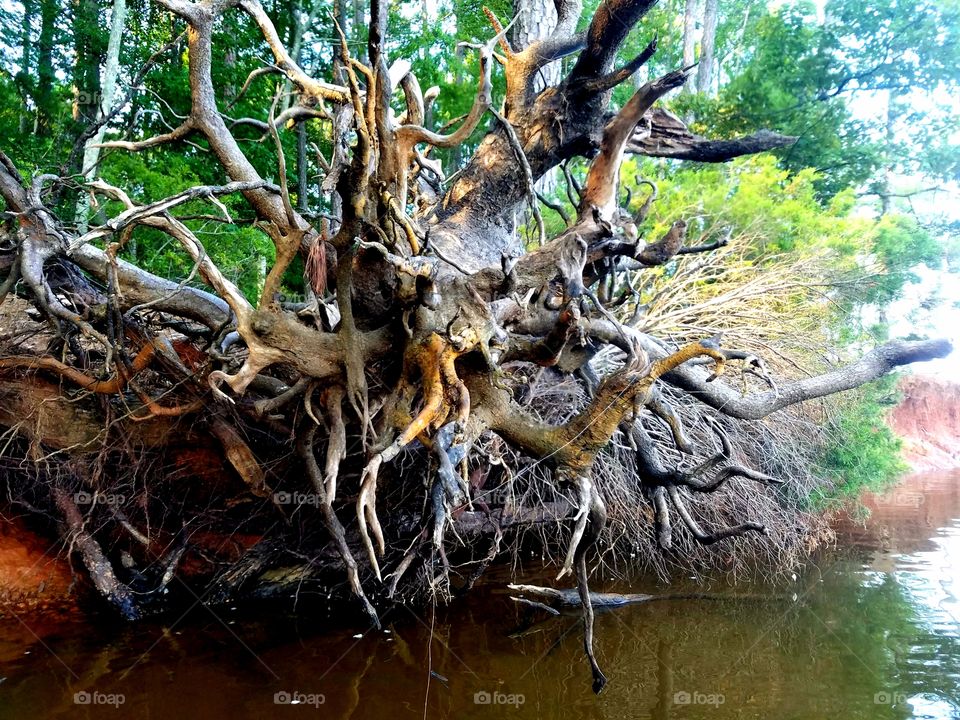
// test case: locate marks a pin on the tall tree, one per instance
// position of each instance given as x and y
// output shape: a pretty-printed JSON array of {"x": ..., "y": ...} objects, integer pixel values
[
  {"x": 707, "y": 42},
  {"x": 536, "y": 20},
  {"x": 26, "y": 60},
  {"x": 88, "y": 55},
  {"x": 690, "y": 34},
  {"x": 43, "y": 94},
  {"x": 103, "y": 102},
  {"x": 803, "y": 71}
]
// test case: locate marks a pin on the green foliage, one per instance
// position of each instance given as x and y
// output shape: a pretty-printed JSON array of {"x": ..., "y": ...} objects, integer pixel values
[
  {"x": 787, "y": 69},
  {"x": 862, "y": 453},
  {"x": 776, "y": 218},
  {"x": 901, "y": 244},
  {"x": 785, "y": 86},
  {"x": 780, "y": 209}
]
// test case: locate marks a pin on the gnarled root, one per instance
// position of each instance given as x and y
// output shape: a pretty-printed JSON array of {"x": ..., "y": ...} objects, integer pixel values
[
  {"x": 706, "y": 538},
  {"x": 586, "y": 493},
  {"x": 597, "y": 520},
  {"x": 449, "y": 488},
  {"x": 106, "y": 387},
  {"x": 367, "y": 519},
  {"x": 258, "y": 359},
  {"x": 97, "y": 564},
  {"x": 665, "y": 485},
  {"x": 590, "y": 520},
  {"x": 442, "y": 390},
  {"x": 325, "y": 488}
]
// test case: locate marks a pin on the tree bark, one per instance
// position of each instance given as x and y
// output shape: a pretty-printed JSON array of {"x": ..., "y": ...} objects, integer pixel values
[
  {"x": 690, "y": 13},
  {"x": 24, "y": 83},
  {"x": 43, "y": 95},
  {"x": 103, "y": 103},
  {"x": 88, "y": 56},
  {"x": 707, "y": 44}
]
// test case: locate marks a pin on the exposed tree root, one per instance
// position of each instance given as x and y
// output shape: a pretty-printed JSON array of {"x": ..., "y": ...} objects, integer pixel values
[
  {"x": 98, "y": 566},
  {"x": 112, "y": 386},
  {"x": 325, "y": 487},
  {"x": 441, "y": 322}
]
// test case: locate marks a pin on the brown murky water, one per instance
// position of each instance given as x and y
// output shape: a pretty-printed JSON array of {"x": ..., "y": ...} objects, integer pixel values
[{"x": 873, "y": 632}]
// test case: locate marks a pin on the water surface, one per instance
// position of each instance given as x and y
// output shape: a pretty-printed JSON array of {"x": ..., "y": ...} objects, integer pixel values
[{"x": 872, "y": 632}]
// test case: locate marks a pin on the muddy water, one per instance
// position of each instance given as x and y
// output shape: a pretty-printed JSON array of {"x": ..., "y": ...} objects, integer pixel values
[{"x": 873, "y": 632}]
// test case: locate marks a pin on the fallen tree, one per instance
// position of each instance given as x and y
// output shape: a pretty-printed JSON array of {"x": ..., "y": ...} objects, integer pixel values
[{"x": 378, "y": 391}]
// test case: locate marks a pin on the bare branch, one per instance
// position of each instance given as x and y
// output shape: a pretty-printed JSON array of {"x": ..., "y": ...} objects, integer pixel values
[
  {"x": 724, "y": 398},
  {"x": 603, "y": 179},
  {"x": 662, "y": 134},
  {"x": 136, "y": 213},
  {"x": 307, "y": 84},
  {"x": 178, "y": 133},
  {"x": 609, "y": 27},
  {"x": 610, "y": 81}
]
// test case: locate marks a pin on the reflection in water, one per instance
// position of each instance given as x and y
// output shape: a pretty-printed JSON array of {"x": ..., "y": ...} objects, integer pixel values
[{"x": 873, "y": 632}]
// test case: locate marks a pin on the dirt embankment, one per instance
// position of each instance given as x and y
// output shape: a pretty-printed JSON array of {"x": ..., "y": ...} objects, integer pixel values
[
  {"x": 34, "y": 574},
  {"x": 928, "y": 420}
]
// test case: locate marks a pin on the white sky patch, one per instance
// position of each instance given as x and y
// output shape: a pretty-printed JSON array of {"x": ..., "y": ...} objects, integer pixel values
[{"x": 943, "y": 320}]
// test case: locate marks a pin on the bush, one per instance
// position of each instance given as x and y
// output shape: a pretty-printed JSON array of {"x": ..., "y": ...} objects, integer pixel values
[{"x": 862, "y": 452}]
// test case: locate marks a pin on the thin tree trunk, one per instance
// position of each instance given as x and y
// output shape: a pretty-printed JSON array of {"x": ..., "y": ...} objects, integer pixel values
[
  {"x": 886, "y": 191},
  {"x": 43, "y": 97},
  {"x": 302, "y": 19},
  {"x": 91, "y": 153},
  {"x": 456, "y": 152},
  {"x": 705, "y": 69},
  {"x": 339, "y": 75},
  {"x": 88, "y": 55},
  {"x": 689, "y": 37},
  {"x": 359, "y": 20},
  {"x": 301, "y": 166},
  {"x": 537, "y": 20},
  {"x": 230, "y": 62},
  {"x": 26, "y": 59}
]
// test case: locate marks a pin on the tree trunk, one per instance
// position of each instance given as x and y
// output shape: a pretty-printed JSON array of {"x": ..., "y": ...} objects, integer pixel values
[
  {"x": 88, "y": 56},
  {"x": 705, "y": 68},
  {"x": 690, "y": 13},
  {"x": 26, "y": 61},
  {"x": 536, "y": 20},
  {"x": 894, "y": 111},
  {"x": 104, "y": 104},
  {"x": 43, "y": 96},
  {"x": 358, "y": 21}
]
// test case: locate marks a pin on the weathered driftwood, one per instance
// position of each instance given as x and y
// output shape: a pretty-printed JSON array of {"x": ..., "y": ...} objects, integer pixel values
[{"x": 554, "y": 599}]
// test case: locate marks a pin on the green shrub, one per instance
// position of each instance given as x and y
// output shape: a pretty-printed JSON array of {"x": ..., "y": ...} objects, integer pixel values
[{"x": 862, "y": 452}]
